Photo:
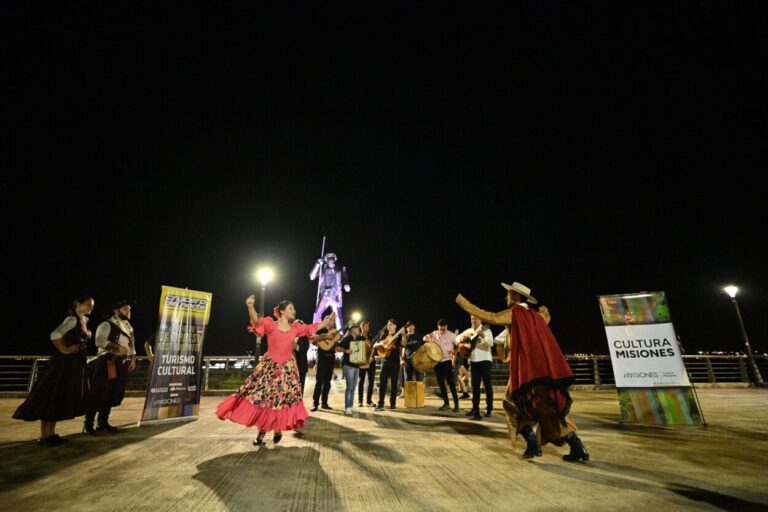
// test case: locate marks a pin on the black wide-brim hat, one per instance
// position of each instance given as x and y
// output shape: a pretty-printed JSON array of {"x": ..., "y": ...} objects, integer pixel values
[{"x": 124, "y": 302}]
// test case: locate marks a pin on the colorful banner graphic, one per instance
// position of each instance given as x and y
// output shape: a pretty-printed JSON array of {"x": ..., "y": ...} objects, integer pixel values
[
  {"x": 648, "y": 367},
  {"x": 174, "y": 384},
  {"x": 659, "y": 406}
]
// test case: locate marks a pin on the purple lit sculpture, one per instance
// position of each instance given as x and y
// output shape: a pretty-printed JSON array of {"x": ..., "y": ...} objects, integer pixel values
[{"x": 331, "y": 280}]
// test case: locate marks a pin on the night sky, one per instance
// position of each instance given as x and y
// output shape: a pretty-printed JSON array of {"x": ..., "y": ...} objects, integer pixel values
[{"x": 579, "y": 149}]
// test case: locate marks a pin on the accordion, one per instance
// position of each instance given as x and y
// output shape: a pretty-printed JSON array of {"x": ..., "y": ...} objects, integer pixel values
[{"x": 357, "y": 352}]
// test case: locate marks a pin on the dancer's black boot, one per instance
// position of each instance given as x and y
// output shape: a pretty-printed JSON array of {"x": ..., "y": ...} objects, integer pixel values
[
  {"x": 534, "y": 448},
  {"x": 578, "y": 451}
]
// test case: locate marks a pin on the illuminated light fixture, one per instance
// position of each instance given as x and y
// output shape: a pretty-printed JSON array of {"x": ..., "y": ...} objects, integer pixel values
[{"x": 264, "y": 275}]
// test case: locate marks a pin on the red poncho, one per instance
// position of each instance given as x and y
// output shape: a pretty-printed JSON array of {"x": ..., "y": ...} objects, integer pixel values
[{"x": 535, "y": 359}]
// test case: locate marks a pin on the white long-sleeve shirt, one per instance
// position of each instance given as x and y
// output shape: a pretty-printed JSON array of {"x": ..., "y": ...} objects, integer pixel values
[
  {"x": 102, "y": 336},
  {"x": 67, "y": 325},
  {"x": 483, "y": 346}
]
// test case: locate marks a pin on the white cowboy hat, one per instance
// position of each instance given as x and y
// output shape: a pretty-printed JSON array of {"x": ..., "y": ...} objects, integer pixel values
[{"x": 522, "y": 290}]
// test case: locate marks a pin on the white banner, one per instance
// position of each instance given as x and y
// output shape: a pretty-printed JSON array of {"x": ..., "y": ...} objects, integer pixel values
[{"x": 646, "y": 356}]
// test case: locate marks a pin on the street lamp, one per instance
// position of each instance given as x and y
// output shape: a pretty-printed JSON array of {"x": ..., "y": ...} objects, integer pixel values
[
  {"x": 356, "y": 316},
  {"x": 263, "y": 275},
  {"x": 732, "y": 290}
]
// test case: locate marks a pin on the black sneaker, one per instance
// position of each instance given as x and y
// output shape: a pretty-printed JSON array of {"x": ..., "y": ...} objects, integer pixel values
[
  {"x": 360, "y": 403},
  {"x": 487, "y": 414},
  {"x": 456, "y": 409},
  {"x": 393, "y": 407},
  {"x": 472, "y": 412},
  {"x": 277, "y": 438},
  {"x": 314, "y": 408},
  {"x": 476, "y": 417},
  {"x": 88, "y": 429},
  {"x": 106, "y": 427},
  {"x": 326, "y": 407},
  {"x": 379, "y": 407},
  {"x": 445, "y": 407},
  {"x": 370, "y": 404}
]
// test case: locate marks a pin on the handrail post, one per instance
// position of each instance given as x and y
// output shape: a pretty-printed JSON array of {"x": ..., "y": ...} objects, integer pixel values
[
  {"x": 743, "y": 370},
  {"x": 596, "y": 369},
  {"x": 32, "y": 375},
  {"x": 710, "y": 370}
]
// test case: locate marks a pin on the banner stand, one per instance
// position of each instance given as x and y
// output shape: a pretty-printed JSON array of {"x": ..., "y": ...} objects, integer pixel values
[
  {"x": 652, "y": 382},
  {"x": 175, "y": 379}
]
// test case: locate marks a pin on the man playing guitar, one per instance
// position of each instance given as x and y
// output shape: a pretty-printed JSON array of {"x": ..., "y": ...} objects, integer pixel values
[
  {"x": 388, "y": 348},
  {"x": 477, "y": 342}
]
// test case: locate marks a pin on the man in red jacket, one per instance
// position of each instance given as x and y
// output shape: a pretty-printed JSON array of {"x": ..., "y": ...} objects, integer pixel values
[{"x": 539, "y": 376}]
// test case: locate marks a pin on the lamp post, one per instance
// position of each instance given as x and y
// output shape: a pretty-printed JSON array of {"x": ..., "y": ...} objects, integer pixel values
[
  {"x": 264, "y": 276},
  {"x": 732, "y": 290}
]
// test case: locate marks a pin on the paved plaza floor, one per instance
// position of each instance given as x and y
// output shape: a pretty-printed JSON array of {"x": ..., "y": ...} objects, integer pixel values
[{"x": 406, "y": 459}]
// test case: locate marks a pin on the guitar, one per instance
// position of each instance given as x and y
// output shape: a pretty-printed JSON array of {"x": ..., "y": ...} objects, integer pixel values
[
  {"x": 327, "y": 340},
  {"x": 501, "y": 353},
  {"x": 388, "y": 344},
  {"x": 465, "y": 348}
]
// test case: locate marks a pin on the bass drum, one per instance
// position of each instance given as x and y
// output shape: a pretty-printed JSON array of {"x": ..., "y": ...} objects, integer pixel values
[{"x": 427, "y": 357}]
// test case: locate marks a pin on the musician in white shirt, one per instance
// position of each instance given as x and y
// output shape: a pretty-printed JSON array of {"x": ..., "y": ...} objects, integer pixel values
[{"x": 481, "y": 342}]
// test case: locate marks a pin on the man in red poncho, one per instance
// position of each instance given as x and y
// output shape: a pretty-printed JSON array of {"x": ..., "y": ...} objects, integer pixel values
[{"x": 539, "y": 376}]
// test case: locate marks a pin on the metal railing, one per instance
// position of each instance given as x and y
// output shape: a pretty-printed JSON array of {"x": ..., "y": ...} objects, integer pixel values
[{"x": 19, "y": 373}]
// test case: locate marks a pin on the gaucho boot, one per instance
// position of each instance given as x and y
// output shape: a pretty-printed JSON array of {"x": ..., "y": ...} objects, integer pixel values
[
  {"x": 88, "y": 424},
  {"x": 534, "y": 448},
  {"x": 103, "y": 423},
  {"x": 578, "y": 451}
]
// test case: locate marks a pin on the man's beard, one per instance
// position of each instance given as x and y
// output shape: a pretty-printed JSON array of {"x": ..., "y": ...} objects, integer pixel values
[{"x": 122, "y": 316}]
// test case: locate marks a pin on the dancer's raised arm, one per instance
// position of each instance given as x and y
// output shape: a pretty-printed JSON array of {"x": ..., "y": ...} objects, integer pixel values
[
  {"x": 252, "y": 314},
  {"x": 500, "y": 318}
]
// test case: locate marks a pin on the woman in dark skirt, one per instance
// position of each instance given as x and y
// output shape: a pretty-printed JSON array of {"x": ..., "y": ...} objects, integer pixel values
[{"x": 59, "y": 392}]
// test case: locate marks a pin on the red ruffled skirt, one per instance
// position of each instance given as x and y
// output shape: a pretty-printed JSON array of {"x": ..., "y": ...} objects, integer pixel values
[{"x": 270, "y": 398}]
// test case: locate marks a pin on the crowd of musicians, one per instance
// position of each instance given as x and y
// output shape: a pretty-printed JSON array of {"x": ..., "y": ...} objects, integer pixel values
[{"x": 461, "y": 357}]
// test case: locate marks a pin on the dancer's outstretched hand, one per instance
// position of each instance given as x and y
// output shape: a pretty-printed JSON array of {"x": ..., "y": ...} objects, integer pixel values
[
  {"x": 250, "y": 301},
  {"x": 461, "y": 301}
]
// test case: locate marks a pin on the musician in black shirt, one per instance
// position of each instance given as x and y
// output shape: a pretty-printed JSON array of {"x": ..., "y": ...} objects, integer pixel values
[
  {"x": 326, "y": 360},
  {"x": 390, "y": 368},
  {"x": 350, "y": 370},
  {"x": 412, "y": 344},
  {"x": 368, "y": 372}
]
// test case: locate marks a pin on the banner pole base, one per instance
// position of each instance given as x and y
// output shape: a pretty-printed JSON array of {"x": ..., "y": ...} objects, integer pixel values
[{"x": 165, "y": 420}]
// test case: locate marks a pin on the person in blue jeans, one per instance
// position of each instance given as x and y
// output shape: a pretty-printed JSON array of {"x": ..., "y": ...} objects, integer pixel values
[{"x": 351, "y": 371}]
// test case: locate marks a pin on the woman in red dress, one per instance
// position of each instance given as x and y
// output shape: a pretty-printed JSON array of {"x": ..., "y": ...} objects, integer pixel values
[{"x": 271, "y": 397}]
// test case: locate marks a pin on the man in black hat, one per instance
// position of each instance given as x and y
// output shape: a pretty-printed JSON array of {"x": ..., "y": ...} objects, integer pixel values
[{"x": 109, "y": 372}]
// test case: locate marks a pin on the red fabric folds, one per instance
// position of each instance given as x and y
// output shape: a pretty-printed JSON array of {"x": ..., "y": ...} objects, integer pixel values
[
  {"x": 536, "y": 359},
  {"x": 239, "y": 410}
]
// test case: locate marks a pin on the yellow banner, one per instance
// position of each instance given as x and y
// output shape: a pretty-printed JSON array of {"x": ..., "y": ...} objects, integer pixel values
[{"x": 174, "y": 384}]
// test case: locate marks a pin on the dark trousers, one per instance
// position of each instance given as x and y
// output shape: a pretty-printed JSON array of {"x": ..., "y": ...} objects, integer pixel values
[
  {"x": 444, "y": 372},
  {"x": 301, "y": 363},
  {"x": 411, "y": 373},
  {"x": 105, "y": 393},
  {"x": 482, "y": 371},
  {"x": 389, "y": 372},
  {"x": 370, "y": 374},
  {"x": 323, "y": 376}
]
